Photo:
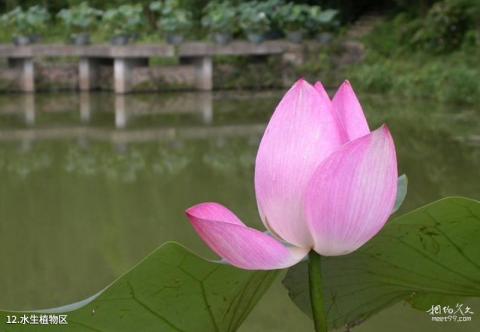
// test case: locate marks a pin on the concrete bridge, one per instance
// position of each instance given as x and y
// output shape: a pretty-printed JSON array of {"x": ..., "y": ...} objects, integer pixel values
[{"x": 195, "y": 57}]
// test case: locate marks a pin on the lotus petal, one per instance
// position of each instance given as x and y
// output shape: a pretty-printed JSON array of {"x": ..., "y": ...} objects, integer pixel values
[
  {"x": 239, "y": 245},
  {"x": 349, "y": 113},
  {"x": 323, "y": 93},
  {"x": 300, "y": 135},
  {"x": 352, "y": 194}
]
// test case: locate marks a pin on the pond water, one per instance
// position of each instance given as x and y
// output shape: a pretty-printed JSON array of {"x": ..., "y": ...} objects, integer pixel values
[{"x": 90, "y": 184}]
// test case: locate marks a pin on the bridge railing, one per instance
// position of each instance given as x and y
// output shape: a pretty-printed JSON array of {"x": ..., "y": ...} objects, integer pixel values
[{"x": 124, "y": 59}]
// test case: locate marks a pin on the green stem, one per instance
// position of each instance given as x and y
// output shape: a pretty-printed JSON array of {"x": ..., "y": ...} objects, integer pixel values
[{"x": 316, "y": 292}]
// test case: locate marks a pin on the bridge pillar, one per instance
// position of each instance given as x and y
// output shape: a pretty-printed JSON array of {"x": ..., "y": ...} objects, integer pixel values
[
  {"x": 122, "y": 72},
  {"x": 26, "y": 69},
  {"x": 87, "y": 73},
  {"x": 203, "y": 71}
]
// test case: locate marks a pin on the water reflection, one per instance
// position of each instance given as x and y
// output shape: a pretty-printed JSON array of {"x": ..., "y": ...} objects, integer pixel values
[
  {"x": 124, "y": 108},
  {"x": 82, "y": 201},
  {"x": 120, "y": 112},
  {"x": 29, "y": 107},
  {"x": 85, "y": 107}
]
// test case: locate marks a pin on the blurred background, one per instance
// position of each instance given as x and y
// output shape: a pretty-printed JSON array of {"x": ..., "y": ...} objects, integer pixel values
[
  {"x": 426, "y": 49},
  {"x": 94, "y": 180}
]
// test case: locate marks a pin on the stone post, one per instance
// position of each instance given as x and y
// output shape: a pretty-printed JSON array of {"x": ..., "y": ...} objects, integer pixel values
[
  {"x": 204, "y": 73},
  {"x": 122, "y": 72},
  {"x": 87, "y": 73},
  {"x": 27, "y": 72},
  {"x": 203, "y": 66},
  {"x": 291, "y": 58}
]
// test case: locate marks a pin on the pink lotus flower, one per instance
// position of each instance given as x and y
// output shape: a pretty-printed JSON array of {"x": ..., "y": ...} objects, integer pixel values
[{"x": 323, "y": 182}]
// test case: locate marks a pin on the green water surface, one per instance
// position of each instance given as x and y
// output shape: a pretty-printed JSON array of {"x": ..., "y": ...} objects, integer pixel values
[{"x": 90, "y": 184}]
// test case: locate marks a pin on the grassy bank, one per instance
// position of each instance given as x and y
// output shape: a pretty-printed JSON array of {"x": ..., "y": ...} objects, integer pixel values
[
  {"x": 395, "y": 65},
  {"x": 452, "y": 78}
]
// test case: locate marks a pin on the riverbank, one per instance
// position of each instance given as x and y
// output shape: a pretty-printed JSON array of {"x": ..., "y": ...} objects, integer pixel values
[
  {"x": 451, "y": 78},
  {"x": 380, "y": 62},
  {"x": 160, "y": 67}
]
